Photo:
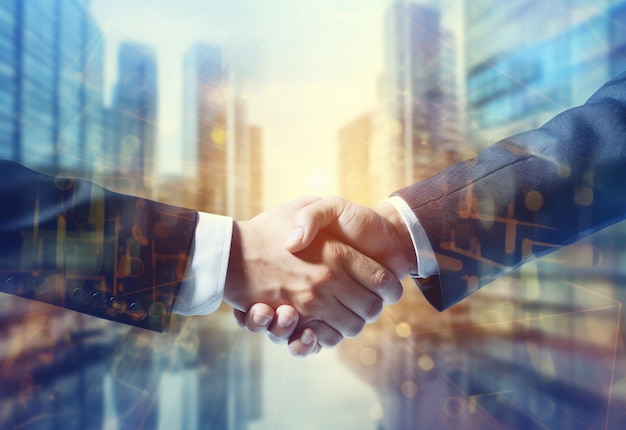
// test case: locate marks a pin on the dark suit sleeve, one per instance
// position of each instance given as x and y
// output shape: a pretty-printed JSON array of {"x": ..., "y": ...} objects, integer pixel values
[
  {"x": 74, "y": 244},
  {"x": 525, "y": 196}
]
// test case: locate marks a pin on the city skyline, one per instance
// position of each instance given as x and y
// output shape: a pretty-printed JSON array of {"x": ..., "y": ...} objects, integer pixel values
[
  {"x": 296, "y": 84},
  {"x": 295, "y": 95},
  {"x": 298, "y": 104}
]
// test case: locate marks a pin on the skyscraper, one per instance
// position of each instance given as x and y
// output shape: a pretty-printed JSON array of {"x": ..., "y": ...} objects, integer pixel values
[
  {"x": 221, "y": 153},
  {"x": 79, "y": 93},
  {"x": 9, "y": 78},
  {"x": 205, "y": 110},
  {"x": 420, "y": 91},
  {"x": 543, "y": 60},
  {"x": 37, "y": 110},
  {"x": 134, "y": 117},
  {"x": 51, "y": 92}
]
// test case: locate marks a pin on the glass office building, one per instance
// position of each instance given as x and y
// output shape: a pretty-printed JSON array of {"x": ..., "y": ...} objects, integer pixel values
[
  {"x": 52, "y": 83},
  {"x": 133, "y": 118},
  {"x": 542, "y": 61},
  {"x": 8, "y": 77},
  {"x": 218, "y": 142},
  {"x": 420, "y": 91}
]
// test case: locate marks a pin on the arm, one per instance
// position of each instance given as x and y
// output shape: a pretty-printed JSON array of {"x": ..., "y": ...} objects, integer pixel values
[
  {"x": 523, "y": 197},
  {"x": 72, "y": 243}
]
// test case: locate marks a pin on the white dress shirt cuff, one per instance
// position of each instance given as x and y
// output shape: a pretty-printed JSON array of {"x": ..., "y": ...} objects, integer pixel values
[
  {"x": 426, "y": 262},
  {"x": 203, "y": 287}
]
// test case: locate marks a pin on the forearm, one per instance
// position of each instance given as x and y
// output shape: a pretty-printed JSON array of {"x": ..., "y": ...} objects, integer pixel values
[
  {"x": 525, "y": 196},
  {"x": 72, "y": 243}
]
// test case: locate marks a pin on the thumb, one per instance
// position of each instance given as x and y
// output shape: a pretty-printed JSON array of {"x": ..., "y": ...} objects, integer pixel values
[{"x": 310, "y": 219}]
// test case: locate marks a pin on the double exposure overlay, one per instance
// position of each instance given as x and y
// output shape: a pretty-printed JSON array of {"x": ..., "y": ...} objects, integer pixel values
[{"x": 232, "y": 107}]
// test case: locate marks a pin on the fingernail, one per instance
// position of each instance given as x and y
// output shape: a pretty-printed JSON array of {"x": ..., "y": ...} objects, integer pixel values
[
  {"x": 261, "y": 319},
  {"x": 306, "y": 338},
  {"x": 285, "y": 320},
  {"x": 295, "y": 236}
]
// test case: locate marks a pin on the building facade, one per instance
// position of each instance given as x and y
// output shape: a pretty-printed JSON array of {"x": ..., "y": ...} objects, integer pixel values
[
  {"x": 420, "y": 92},
  {"x": 222, "y": 155},
  {"x": 51, "y": 92},
  {"x": 133, "y": 119},
  {"x": 543, "y": 61}
]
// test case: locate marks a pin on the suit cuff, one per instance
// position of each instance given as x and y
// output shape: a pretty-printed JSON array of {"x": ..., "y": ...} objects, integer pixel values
[
  {"x": 203, "y": 287},
  {"x": 426, "y": 263}
]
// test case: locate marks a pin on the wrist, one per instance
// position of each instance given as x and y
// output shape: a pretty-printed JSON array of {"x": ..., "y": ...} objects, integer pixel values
[{"x": 405, "y": 259}]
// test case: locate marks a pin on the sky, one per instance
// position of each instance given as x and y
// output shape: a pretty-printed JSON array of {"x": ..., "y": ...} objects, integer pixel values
[{"x": 307, "y": 69}]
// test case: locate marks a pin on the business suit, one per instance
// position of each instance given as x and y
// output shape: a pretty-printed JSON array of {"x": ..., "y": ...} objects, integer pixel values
[
  {"x": 524, "y": 196},
  {"x": 72, "y": 243}
]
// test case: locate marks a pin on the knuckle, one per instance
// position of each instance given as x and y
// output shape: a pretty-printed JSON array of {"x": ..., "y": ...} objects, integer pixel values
[
  {"x": 326, "y": 275},
  {"x": 335, "y": 251},
  {"x": 355, "y": 328},
  {"x": 327, "y": 337},
  {"x": 386, "y": 286},
  {"x": 374, "y": 310},
  {"x": 380, "y": 281},
  {"x": 323, "y": 276}
]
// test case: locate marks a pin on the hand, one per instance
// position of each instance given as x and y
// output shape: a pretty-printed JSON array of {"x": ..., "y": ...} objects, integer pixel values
[
  {"x": 335, "y": 289},
  {"x": 280, "y": 326},
  {"x": 378, "y": 232}
]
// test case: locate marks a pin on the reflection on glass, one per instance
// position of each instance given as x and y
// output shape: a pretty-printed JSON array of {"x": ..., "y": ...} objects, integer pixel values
[{"x": 224, "y": 108}]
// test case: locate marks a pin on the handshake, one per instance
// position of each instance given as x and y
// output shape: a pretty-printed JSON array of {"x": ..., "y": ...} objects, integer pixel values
[{"x": 313, "y": 271}]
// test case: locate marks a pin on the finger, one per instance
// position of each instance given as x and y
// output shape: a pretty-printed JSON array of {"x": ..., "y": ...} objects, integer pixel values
[
  {"x": 365, "y": 304},
  {"x": 343, "y": 301},
  {"x": 378, "y": 279},
  {"x": 327, "y": 336},
  {"x": 285, "y": 322},
  {"x": 302, "y": 202},
  {"x": 310, "y": 219},
  {"x": 340, "y": 309},
  {"x": 304, "y": 344},
  {"x": 259, "y": 317}
]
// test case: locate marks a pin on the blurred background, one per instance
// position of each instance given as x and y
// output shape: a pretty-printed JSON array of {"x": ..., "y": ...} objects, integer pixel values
[{"x": 233, "y": 107}]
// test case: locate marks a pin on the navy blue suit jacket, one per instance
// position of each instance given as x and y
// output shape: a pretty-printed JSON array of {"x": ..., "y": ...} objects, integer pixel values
[
  {"x": 72, "y": 243},
  {"x": 525, "y": 196}
]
